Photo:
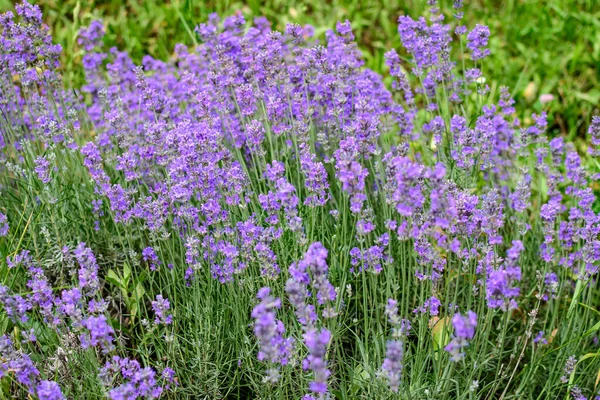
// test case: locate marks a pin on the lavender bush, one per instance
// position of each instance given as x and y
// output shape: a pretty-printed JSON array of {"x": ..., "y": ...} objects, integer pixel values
[{"x": 262, "y": 217}]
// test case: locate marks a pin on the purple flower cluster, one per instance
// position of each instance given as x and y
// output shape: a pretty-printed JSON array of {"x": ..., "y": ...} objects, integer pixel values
[
  {"x": 149, "y": 255},
  {"x": 99, "y": 333},
  {"x": 311, "y": 273},
  {"x": 89, "y": 281},
  {"x": 500, "y": 289},
  {"x": 3, "y": 225},
  {"x": 161, "y": 307},
  {"x": 135, "y": 382},
  {"x": 83, "y": 314},
  {"x": 477, "y": 39},
  {"x": 20, "y": 364},
  {"x": 317, "y": 342},
  {"x": 464, "y": 330},
  {"x": 393, "y": 363},
  {"x": 273, "y": 347},
  {"x": 41, "y": 169}
]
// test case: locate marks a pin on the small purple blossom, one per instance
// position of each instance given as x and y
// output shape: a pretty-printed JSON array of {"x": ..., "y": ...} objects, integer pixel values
[
  {"x": 149, "y": 255},
  {"x": 392, "y": 364},
  {"x": 161, "y": 308},
  {"x": 431, "y": 305},
  {"x": 464, "y": 330},
  {"x": 135, "y": 381},
  {"x": 568, "y": 369}
]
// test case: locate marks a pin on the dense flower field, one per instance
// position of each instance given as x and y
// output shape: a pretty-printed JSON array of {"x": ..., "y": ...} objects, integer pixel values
[{"x": 261, "y": 217}]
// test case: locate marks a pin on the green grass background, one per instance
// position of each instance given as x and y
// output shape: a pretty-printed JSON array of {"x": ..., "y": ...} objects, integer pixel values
[{"x": 538, "y": 46}]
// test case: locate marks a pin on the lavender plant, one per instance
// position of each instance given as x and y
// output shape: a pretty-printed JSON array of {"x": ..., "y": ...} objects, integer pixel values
[{"x": 294, "y": 227}]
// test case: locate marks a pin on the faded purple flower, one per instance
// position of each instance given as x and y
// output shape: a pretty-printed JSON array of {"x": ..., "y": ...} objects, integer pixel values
[{"x": 161, "y": 308}]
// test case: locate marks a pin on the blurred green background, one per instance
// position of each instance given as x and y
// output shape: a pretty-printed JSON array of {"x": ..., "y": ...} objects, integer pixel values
[{"x": 538, "y": 46}]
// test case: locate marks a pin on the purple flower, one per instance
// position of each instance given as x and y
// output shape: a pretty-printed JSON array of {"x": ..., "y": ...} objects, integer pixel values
[
  {"x": 3, "y": 225},
  {"x": 351, "y": 173},
  {"x": 41, "y": 293},
  {"x": 345, "y": 30},
  {"x": 392, "y": 364},
  {"x": 88, "y": 272},
  {"x": 48, "y": 390},
  {"x": 315, "y": 178},
  {"x": 317, "y": 342},
  {"x": 431, "y": 305},
  {"x": 99, "y": 333},
  {"x": 426, "y": 43},
  {"x": 255, "y": 135},
  {"x": 514, "y": 252},
  {"x": 539, "y": 339},
  {"x": 149, "y": 255},
  {"x": 594, "y": 132},
  {"x": 500, "y": 289},
  {"x": 577, "y": 394},
  {"x": 137, "y": 382},
  {"x": 568, "y": 369},
  {"x": 464, "y": 330},
  {"x": 313, "y": 270},
  {"x": 15, "y": 306},
  {"x": 161, "y": 307},
  {"x": 477, "y": 39},
  {"x": 41, "y": 169},
  {"x": 269, "y": 331},
  {"x": 91, "y": 36},
  {"x": 19, "y": 363},
  {"x": 168, "y": 375}
]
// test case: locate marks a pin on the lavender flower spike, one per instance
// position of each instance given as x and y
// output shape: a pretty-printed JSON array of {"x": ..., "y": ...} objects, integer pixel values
[
  {"x": 269, "y": 331},
  {"x": 317, "y": 342},
  {"x": 464, "y": 330}
]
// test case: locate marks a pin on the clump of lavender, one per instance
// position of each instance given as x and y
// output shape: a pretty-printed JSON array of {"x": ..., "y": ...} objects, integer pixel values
[
  {"x": 18, "y": 363},
  {"x": 25, "y": 372},
  {"x": 464, "y": 330},
  {"x": 256, "y": 148},
  {"x": 125, "y": 378}
]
